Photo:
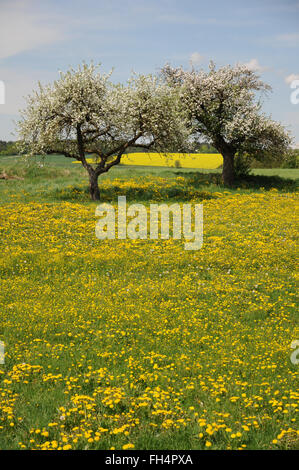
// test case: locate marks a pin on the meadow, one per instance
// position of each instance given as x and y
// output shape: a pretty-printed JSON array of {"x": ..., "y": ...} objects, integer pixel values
[{"x": 123, "y": 344}]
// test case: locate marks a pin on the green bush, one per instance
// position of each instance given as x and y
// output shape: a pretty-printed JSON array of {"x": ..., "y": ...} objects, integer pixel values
[
  {"x": 292, "y": 159},
  {"x": 242, "y": 164}
]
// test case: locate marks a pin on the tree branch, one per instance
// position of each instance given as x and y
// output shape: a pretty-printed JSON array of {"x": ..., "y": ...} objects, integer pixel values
[{"x": 120, "y": 150}]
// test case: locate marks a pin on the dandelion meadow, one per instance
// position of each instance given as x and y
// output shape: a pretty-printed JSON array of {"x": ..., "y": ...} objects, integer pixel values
[
  {"x": 139, "y": 344},
  {"x": 149, "y": 166}
]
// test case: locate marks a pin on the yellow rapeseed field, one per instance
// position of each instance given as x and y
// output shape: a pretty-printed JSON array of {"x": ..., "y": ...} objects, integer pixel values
[
  {"x": 181, "y": 160},
  {"x": 184, "y": 160},
  {"x": 141, "y": 344}
]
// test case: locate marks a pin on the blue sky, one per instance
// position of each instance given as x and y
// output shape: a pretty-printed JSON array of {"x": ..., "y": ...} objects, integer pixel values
[{"x": 39, "y": 38}]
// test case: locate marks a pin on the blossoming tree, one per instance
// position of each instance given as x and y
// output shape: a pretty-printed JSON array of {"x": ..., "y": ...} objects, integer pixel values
[
  {"x": 223, "y": 108},
  {"x": 84, "y": 113}
]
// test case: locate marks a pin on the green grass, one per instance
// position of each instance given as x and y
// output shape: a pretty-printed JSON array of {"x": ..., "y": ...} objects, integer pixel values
[{"x": 59, "y": 179}]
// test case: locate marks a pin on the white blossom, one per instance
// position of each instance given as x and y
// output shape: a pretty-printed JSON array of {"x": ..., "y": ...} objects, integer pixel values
[
  {"x": 83, "y": 112},
  {"x": 224, "y": 109}
]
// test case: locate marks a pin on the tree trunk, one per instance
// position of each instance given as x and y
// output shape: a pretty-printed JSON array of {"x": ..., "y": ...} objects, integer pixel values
[
  {"x": 228, "y": 172},
  {"x": 93, "y": 186}
]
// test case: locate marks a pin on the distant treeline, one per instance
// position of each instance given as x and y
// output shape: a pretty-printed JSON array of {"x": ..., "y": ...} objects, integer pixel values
[
  {"x": 292, "y": 160},
  {"x": 190, "y": 148},
  {"x": 8, "y": 148}
]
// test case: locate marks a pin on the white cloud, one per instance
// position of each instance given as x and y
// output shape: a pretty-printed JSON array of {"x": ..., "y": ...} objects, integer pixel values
[
  {"x": 289, "y": 39},
  {"x": 24, "y": 26},
  {"x": 196, "y": 58},
  {"x": 290, "y": 78},
  {"x": 254, "y": 65}
]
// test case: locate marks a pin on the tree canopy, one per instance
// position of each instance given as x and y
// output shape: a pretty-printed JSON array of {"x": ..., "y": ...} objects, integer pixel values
[
  {"x": 224, "y": 108},
  {"x": 83, "y": 113}
]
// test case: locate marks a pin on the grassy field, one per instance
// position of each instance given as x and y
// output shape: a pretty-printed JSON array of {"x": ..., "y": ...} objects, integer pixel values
[
  {"x": 141, "y": 344},
  {"x": 56, "y": 179}
]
